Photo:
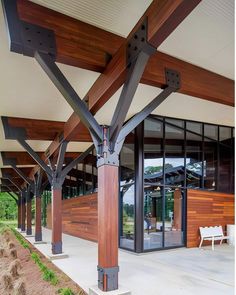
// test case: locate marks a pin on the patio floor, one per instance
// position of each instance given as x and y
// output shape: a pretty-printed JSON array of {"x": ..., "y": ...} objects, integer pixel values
[{"x": 179, "y": 271}]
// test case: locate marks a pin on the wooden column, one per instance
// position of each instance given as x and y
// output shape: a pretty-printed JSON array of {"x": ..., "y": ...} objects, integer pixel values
[
  {"x": 38, "y": 225},
  {"x": 23, "y": 211},
  {"x": 108, "y": 227},
  {"x": 177, "y": 224},
  {"x": 29, "y": 217},
  {"x": 19, "y": 213},
  {"x": 56, "y": 221}
]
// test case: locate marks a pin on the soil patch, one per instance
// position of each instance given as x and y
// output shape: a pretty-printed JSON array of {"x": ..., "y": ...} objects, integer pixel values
[{"x": 19, "y": 271}]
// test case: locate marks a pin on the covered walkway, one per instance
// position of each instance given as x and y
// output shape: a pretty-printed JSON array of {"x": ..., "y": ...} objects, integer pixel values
[{"x": 176, "y": 271}]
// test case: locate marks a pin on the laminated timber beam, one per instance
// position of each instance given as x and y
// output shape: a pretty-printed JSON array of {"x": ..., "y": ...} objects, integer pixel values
[
  {"x": 36, "y": 129},
  {"x": 86, "y": 46}
]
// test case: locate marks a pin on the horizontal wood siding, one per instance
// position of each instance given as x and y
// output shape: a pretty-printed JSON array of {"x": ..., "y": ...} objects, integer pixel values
[
  {"x": 79, "y": 217},
  {"x": 207, "y": 208}
]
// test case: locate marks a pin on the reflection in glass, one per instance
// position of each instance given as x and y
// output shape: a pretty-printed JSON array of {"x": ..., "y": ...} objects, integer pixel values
[
  {"x": 127, "y": 186},
  {"x": 174, "y": 160},
  {"x": 211, "y": 131},
  {"x": 173, "y": 235},
  {"x": 224, "y": 169},
  {"x": 153, "y": 152},
  {"x": 210, "y": 165},
  {"x": 153, "y": 219},
  {"x": 193, "y": 160},
  {"x": 225, "y": 136},
  {"x": 194, "y": 127},
  {"x": 127, "y": 212}
]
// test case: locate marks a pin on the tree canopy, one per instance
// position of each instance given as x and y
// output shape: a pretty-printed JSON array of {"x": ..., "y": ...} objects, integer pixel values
[{"x": 8, "y": 207}]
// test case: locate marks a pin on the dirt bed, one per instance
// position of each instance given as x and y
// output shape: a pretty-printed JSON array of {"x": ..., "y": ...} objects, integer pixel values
[{"x": 19, "y": 275}]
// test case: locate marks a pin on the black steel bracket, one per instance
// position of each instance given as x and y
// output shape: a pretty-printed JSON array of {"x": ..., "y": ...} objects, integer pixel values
[
  {"x": 26, "y": 38},
  {"x": 172, "y": 79},
  {"x": 138, "y": 43},
  {"x": 173, "y": 83},
  {"x": 111, "y": 274}
]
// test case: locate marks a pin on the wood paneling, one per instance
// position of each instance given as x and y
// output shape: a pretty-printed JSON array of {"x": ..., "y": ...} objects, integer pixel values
[
  {"x": 79, "y": 217},
  {"x": 207, "y": 208}
]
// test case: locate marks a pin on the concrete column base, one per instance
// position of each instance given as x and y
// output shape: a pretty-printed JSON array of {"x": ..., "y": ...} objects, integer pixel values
[
  {"x": 58, "y": 256},
  {"x": 39, "y": 242},
  {"x": 96, "y": 291}
]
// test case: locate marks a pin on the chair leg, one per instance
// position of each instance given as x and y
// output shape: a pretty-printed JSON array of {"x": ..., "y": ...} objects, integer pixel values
[
  {"x": 212, "y": 244},
  {"x": 201, "y": 243}
]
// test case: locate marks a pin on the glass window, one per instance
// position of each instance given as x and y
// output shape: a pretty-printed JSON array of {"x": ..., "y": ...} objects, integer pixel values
[
  {"x": 194, "y": 167},
  {"x": 173, "y": 225},
  {"x": 225, "y": 172},
  {"x": 127, "y": 211},
  {"x": 211, "y": 131},
  {"x": 194, "y": 127},
  {"x": 153, "y": 152},
  {"x": 225, "y": 135},
  {"x": 176, "y": 122},
  {"x": 210, "y": 165},
  {"x": 153, "y": 217},
  {"x": 174, "y": 156},
  {"x": 127, "y": 194}
]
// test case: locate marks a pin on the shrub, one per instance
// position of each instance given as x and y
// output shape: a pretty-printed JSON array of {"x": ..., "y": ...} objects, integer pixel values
[
  {"x": 65, "y": 291},
  {"x": 49, "y": 275}
]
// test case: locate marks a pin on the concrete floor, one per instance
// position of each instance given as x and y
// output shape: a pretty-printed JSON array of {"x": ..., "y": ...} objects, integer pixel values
[{"x": 180, "y": 271}]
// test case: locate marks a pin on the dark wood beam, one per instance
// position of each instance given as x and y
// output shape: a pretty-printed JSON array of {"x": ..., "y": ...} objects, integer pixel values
[
  {"x": 22, "y": 158},
  {"x": 36, "y": 129},
  {"x": 78, "y": 44},
  {"x": 195, "y": 80}
]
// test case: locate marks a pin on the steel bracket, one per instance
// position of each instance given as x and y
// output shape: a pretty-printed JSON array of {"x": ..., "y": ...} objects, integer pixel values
[
  {"x": 111, "y": 281},
  {"x": 172, "y": 79},
  {"x": 137, "y": 43},
  {"x": 26, "y": 38},
  {"x": 12, "y": 132},
  {"x": 36, "y": 38}
]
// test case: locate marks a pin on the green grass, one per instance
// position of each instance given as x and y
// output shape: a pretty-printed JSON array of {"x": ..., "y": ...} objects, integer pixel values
[
  {"x": 65, "y": 291},
  {"x": 48, "y": 274}
]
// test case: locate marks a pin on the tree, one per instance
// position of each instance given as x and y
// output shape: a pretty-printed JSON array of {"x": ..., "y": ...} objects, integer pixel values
[{"x": 8, "y": 207}]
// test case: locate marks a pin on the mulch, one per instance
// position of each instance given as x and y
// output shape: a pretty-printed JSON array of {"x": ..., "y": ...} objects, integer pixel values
[{"x": 29, "y": 279}]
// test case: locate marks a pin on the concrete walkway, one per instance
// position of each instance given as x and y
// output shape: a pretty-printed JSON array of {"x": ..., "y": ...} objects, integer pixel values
[{"x": 180, "y": 271}]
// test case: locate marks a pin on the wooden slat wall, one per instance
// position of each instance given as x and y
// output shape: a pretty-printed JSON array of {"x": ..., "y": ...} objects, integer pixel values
[
  {"x": 207, "y": 208},
  {"x": 79, "y": 217}
]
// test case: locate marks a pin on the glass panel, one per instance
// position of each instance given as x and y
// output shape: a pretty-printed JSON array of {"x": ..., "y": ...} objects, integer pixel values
[
  {"x": 176, "y": 122},
  {"x": 195, "y": 127},
  {"x": 193, "y": 160},
  {"x": 153, "y": 224},
  {"x": 174, "y": 159},
  {"x": 210, "y": 165},
  {"x": 173, "y": 217},
  {"x": 211, "y": 131},
  {"x": 153, "y": 152},
  {"x": 127, "y": 188},
  {"x": 225, "y": 135},
  {"x": 225, "y": 169},
  {"x": 127, "y": 212}
]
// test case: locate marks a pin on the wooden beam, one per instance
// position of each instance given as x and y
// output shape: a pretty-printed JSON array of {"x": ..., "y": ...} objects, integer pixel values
[
  {"x": 195, "y": 80},
  {"x": 37, "y": 129},
  {"x": 78, "y": 44},
  {"x": 73, "y": 35},
  {"x": 22, "y": 158}
]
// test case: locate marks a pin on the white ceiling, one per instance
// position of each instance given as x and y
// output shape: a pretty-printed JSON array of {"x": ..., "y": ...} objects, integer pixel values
[{"x": 205, "y": 38}]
